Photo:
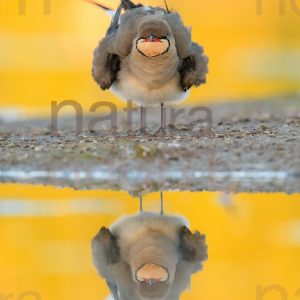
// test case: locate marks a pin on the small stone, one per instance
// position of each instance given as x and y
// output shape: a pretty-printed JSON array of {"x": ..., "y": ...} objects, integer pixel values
[
  {"x": 228, "y": 141},
  {"x": 291, "y": 140},
  {"x": 263, "y": 127},
  {"x": 245, "y": 120}
]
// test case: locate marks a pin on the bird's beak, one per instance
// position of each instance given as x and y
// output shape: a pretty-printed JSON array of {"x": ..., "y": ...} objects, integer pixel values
[
  {"x": 152, "y": 38},
  {"x": 152, "y": 46}
]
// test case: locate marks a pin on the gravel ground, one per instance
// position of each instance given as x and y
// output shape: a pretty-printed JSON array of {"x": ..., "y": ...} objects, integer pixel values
[{"x": 251, "y": 147}]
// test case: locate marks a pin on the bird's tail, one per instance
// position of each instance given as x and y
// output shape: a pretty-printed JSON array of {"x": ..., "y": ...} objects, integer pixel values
[
  {"x": 167, "y": 7},
  {"x": 124, "y": 4},
  {"x": 106, "y": 8},
  {"x": 127, "y": 4},
  {"x": 115, "y": 21}
]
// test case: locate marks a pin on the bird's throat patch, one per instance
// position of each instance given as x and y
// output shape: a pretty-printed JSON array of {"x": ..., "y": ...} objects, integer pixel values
[{"x": 153, "y": 49}]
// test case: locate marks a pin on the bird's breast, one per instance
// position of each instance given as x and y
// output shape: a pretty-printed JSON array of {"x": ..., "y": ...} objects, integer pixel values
[{"x": 148, "y": 91}]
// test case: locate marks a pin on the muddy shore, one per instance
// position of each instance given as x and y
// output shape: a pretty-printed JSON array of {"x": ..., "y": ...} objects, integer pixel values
[{"x": 249, "y": 147}]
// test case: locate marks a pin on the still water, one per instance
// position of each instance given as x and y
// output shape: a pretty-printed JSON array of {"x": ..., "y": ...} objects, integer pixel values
[{"x": 46, "y": 233}]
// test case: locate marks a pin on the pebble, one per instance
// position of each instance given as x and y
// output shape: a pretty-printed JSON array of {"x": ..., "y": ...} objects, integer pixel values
[
  {"x": 228, "y": 141},
  {"x": 291, "y": 140}
]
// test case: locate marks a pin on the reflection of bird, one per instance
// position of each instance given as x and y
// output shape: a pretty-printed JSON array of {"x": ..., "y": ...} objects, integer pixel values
[
  {"x": 147, "y": 56},
  {"x": 148, "y": 256}
]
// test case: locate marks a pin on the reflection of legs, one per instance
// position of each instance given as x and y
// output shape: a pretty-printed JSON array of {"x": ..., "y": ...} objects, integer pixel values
[
  {"x": 161, "y": 203},
  {"x": 141, "y": 203}
]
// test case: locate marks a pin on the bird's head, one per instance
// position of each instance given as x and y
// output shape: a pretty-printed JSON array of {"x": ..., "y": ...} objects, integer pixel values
[{"x": 154, "y": 37}]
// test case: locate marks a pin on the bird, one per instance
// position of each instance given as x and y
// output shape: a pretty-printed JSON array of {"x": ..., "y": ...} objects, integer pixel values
[
  {"x": 148, "y": 256},
  {"x": 148, "y": 56}
]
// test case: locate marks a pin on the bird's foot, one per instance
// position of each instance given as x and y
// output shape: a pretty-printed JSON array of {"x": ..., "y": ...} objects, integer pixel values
[
  {"x": 141, "y": 131},
  {"x": 161, "y": 132}
]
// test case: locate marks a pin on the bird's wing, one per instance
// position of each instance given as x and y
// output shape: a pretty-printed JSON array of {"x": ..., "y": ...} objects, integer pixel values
[
  {"x": 124, "y": 4},
  {"x": 181, "y": 34},
  {"x": 192, "y": 246},
  {"x": 127, "y": 4},
  {"x": 113, "y": 289},
  {"x": 114, "y": 25}
]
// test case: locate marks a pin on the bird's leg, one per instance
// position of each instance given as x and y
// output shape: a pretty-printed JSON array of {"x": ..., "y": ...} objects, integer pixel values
[
  {"x": 143, "y": 121},
  {"x": 162, "y": 118},
  {"x": 162, "y": 203},
  {"x": 162, "y": 130},
  {"x": 141, "y": 203}
]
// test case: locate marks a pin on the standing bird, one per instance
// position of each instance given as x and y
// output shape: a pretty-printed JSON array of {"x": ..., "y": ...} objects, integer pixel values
[{"x": 148, "y": 56}]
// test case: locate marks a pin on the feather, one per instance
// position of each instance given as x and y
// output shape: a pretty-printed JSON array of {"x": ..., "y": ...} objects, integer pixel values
[
  {"x": 127, "y": 4},
  {"x": 111, "y": 13},
  {"x": 99, "y": 5},
  {"x": 114, "y": 25},
  {"x": 115, "y": 14},
  {"x": 130, "y": 5},
  {"x": 113, "y": 289},
  {"x": 108, "y": 10},
  {"x": 167, "y": 7}
]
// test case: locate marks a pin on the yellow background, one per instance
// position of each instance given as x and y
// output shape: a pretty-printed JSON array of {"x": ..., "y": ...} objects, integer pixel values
[
  {"x": 253, "y": 242},
  {"x": 48, "y": 57}
]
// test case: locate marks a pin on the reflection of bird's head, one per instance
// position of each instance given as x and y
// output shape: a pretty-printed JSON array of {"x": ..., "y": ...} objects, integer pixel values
[
  {"x": 154, "y": 37},
  {"x": 153, "y": 281},
  {"x": 153, "y": 261}
]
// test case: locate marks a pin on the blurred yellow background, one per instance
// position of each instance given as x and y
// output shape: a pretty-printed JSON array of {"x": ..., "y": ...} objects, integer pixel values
[
  {"x": 48, "y": 57},
  {"x": 253, "y": 241}
]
